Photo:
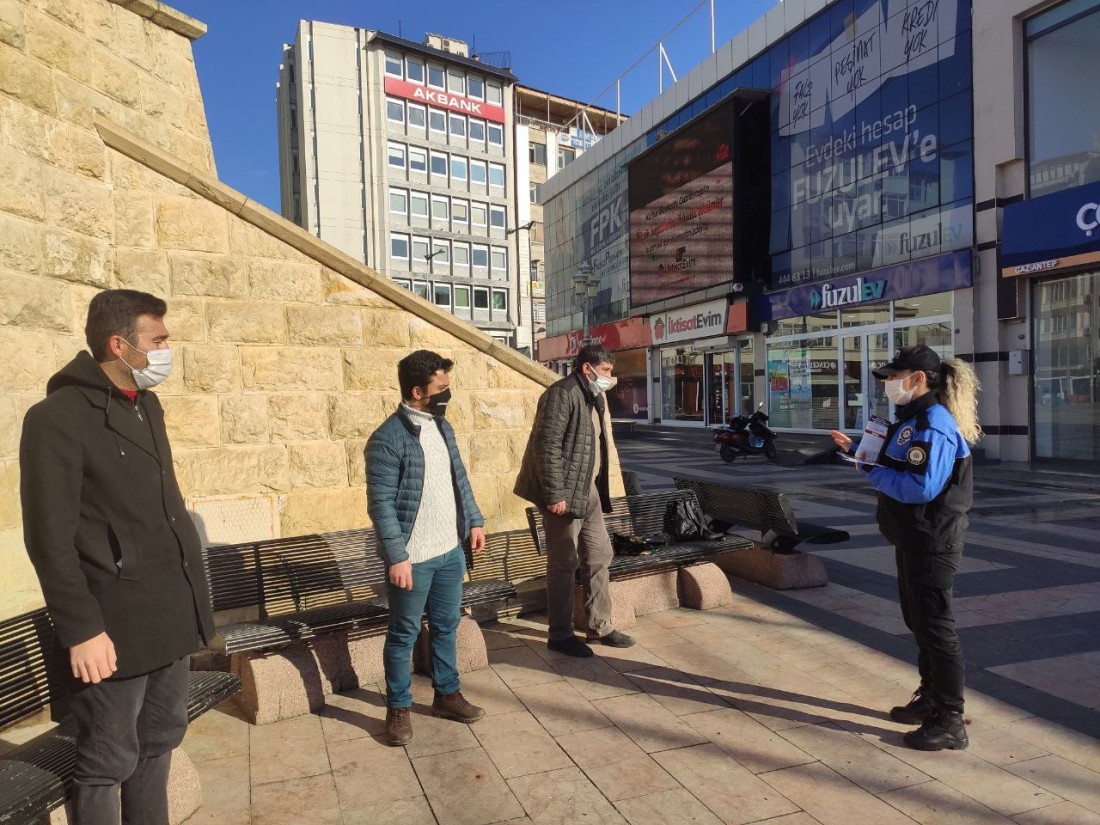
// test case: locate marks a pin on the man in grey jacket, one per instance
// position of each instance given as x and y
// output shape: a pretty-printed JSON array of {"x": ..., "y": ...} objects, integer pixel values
[
  {"x": 423, "y": 510},
  {"x": 565, "y": 475}
]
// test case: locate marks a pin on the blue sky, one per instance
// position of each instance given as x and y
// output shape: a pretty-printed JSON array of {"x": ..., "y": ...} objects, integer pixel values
[{"x": 574, "y": 50}]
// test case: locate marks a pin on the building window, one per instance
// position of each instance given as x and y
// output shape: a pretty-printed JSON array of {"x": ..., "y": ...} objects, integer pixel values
[
  {"x": 420, "y": 288},
  {"x": 535, "y": 193},
  {"x": 395, "y": 110},
  {"x": 404, "y": 284},
  {"x": 478, "y": 215},
  {"x": 418, "y": 160},
  {"x": 458, "y": 126},
  {"x": 498, "y": 262},
  {"x": 396, "y": 156},
  {"x": 456, "y": 82},
  {"x": 458, "y": 169},
  {"x": 414, "y": 69},
  {"x": 477, "y": 172},
  {"x": 436, "y": 76},
  {"x": 460, "y": 211},
  {"x": 399, "y": 246},
  {"x": 417, "y": 116},
  {"x": 477, "y": 132},
  {"x": 441, "y": 252},
  {"x": 475, "y": 88},
  {"x": 441, "y": 209},
  {"x": 393, "y": 65},
  {"x": 481, "y": 257},
  {"x": 437, "y": 120},
  {"x": 399, "y": 202},
  {"x": 481, "y": 298},
  {"x": 494, "y": 94},
  {"x": 442, "y": 295},
  {"x": 496, "y": 175},
  {"x": 461, "y": 252},
  {"x": 566, "y": 157},
  {"x": 462, "y": 297},
  {"x": 439, "y": 165},
  {"x": 497, "y": 217},
  {"x": 500, "y": 299},
  {"x": 420, "y": 247},
  {"x": 418, "y": 205},
  {"x": 537, "y": 153},
  {"x": 496, "y": 134}
]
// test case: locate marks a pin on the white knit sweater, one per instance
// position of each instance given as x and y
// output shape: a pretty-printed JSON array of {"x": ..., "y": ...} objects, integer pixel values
[{"x": 435, "y": 531}]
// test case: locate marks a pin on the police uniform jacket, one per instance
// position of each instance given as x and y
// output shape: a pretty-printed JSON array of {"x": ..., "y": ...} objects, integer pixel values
[
  {"x": 925, "y": 484},
  {"x": 105, "y": 524}
]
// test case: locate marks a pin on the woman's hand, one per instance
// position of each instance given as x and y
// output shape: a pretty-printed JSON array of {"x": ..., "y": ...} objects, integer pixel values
[{"x": 841, "y": 440}]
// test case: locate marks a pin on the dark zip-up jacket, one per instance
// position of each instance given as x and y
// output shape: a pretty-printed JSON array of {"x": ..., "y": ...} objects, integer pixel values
[
  {"x": 395, "y": 482},
  {"x": 105, "y": 523},
  {"x": 561, "y": 451}
]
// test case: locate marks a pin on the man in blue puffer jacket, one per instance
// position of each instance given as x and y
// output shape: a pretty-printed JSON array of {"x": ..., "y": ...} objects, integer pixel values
[{"x": 423, "y": 510}]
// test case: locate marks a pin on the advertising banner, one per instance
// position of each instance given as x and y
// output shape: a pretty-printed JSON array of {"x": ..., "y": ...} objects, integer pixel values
[
  {"x": 443, "y": 100},
  {"x": 1052, "y": 232},
  {"x": 618, "y": 335},
  {"x": 689, "y": 323}
]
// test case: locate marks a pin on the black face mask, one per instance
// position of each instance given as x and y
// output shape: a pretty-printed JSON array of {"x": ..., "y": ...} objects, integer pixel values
[{"x": 437, "y": 404}]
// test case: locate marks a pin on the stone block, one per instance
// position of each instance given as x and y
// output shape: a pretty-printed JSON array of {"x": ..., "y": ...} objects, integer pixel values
[
  {"x": 58, "y": 46},
  {"x": 211, "y": 276},
  {"x": 281, "y": 684},
  {"x": 24, "y": 184},
  {"x": 488, "y": 454},
  {"x": 79, "y": 204},
  {"x": 704, "y": 586},
  {"x": 117, "y": 78},
  {"x": 69, "y": 13},
  {"x": 89, "y": 154},
  {"x": 211, "y": 368},
  {"x": 245, "y": 419},
  {"x": 471, "y": 370},
  {"x": 325, "y": 326},
  {"x": 365, "y": 655},
  {"x": 34, "y": 302},
  {"x": 369, "y": 369},
  {"x": 426, "y": 335},
  {"x": 194, "y": 119},
  {"x": 186, "y": 319},
  {"x": 502, "y": 377},
  {"x": 192, "y": 224},
  {"x": 355, "y": 415},
  {"x": 27, "y": 374},
  {"x": 353, "y": 447},
  {"x": 134, "y": 225},
  {"x": 290, "y": 368},
  {"x": 13, "y": 27},
  {"x": 340, "y": 290},
  {"x": 128, "y": 38},
  {"x": 321, "y": 511},
  {"x": 11, "y": 422},
  {"x": 143, "y": 269},
  {"x": 11, "y": 515},
  {"x": 20, "y": 245},
  {"x": 233, "y": 470},
  {"x": 499, "y": 410},
  {"x": 298, "y": 417},
  {"x": 191, "y": 150},
  {"x": 249, "y": 241},
  {"x": 246, "y": 322},
  {"x": 282, "y": 281},
  {"x": 486, "y": 494},
  {"x": 648, "y": 594},
  {"x": 385, "y": 328},
  {"x": 623, "y": 616},
  {"x": 26, "y": 80},
  {"x": 779, "y": 571},
  {"x": 318, "y": 464},
  {"x": 77, "y": 258},
  {"x": 192, "y": 420},
  {"x": 470, "y": 648},
  {"x": 166, "y": 105}
]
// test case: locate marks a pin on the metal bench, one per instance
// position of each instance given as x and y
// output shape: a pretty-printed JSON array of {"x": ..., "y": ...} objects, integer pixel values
[
  {"x": 305, "y": 586},
  {"x": 35, "y": 776},
  {"x": 644, "y": 515},
  {"x": 768, "y": 511}
]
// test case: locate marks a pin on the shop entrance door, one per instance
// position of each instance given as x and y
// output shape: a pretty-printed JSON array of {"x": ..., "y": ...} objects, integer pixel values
[
  {"x": 863, "y": 395},
  {"x": 721, "y": 371}
]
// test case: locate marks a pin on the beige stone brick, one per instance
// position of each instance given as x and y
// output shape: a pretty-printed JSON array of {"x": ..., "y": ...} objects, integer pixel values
[
  {"x": 13, "y": 29},
  {"x": 99, "y": 22},
  {"x": 460, "y": 412},
  {"x": 471, "y": 371},
  {"x": 499, "y": 410},
  {"x": 89, "y": 154},
  {"x": 196, "y": 152},
  {"x": 370, "y": 369},
  {"x": 79, "y": 104},
  {"x": 23, "y": 185},
  {"x": 282, "y": 281},
  {"x": 248, "y": 322},
  {"x": 26, "y": 80},
  {"x": 194, "y": 119},
  {"x": 233, "y": 469},
  {"x": 29, "y": 374},
  {"x": 189, "y": 223},
  {"x": 318, "y": 464},
  {"x": 11, "y": 422},
  {"x": 513, "y": 509},
  {"x": 503, "y": 377},
  {"x": 128, "y": 38},
  {"x": 68, "y": 12},
  {"x": 192, "y": 420},
  {"x": 320, "y": 511},
  {"x": 356, "y": 415},
  {"x": 290, "y": 368},
  {"x": 117, "y": 78},
  {"x": 340, "y": 290},
  {"x": 386, "y": 328},
  {"x": 133, "y": 214},
  {"x": 211, "y": 368},
  {"x": 58, "y": 46},
  {"x": 78, "y": 258},
  {"x": 487, "y": 454},
  {"x": 34, "y": 302},
  {"x": 213, "y": 276},
  {"x": 357, "y": 465},
  {"x": 298, "y": 416},
  {"x": 20, "y": 245},
  {"x": 486, "y": 493},
  {"x": 186, "y": 320},
  {"x": 245, "y": 419},
  {"x": 246, "y": 239},
  {"x": 424, "y": 335},
  {"x": 143, "y": 269},
  {"x": 10, "y": 513},
  {"x": 31, "y": 132},
  {"x": 79, "y": 205},
  {"x": 325, "y": 326}
]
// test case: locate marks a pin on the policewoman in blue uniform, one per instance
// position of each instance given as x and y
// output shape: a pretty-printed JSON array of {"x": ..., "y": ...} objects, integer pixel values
[{"x": 925, "y": 490}]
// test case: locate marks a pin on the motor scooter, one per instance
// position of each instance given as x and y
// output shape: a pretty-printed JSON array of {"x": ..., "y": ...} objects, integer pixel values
[{"x": 746, "y": 435}]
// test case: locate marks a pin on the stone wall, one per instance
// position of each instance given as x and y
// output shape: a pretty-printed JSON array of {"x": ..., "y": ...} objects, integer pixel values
[{"x": 286, "y": 349}]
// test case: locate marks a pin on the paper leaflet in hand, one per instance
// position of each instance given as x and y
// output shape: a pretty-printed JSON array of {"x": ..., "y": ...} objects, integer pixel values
[{"x": 873, "y": 441}]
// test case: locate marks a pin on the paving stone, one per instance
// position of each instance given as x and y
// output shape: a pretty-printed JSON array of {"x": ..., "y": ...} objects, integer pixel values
[
  {"x": 216, "y": 735},
  {"x": 615, "y": 764},
  {"x": 310, "y": 799},
  {"x": 830, "y": 798},
  {"x": 226, "y": 794},
  {"x": 593, "y": 678},
  {"x": 563, "y": 797},
  {"x": 290, "y": 749},
  {"x": 519, "y": 745},
  {"x": 1061, "y": 813},
  {"x": 751, "y": 744},
  {"x": 352, "y": 715},
  {"x": 676, "y": 692},
  {"x": 465, "y": 788},
  {"x": 521, "y": 666},
  {"x": 676, "y": 807},
  {"x": 933, "y": 803},
  {"x": 643, "y": 719},
  {"x": 367, "y": 772},
  {"x": 1067, "y": 779},
  {"x": 415, "y": 811},
  {"x": 853, "y": 758},
  {"x": 560, "y": 708}
]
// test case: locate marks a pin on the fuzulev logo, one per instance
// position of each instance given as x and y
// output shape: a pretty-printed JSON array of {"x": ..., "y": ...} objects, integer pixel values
[{"x": 836, "y": 296}]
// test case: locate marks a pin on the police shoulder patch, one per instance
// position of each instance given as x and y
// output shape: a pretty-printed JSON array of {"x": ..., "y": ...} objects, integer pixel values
[
  {"x": 905, "y": 436},
  {"x": 916, "y": 456}
]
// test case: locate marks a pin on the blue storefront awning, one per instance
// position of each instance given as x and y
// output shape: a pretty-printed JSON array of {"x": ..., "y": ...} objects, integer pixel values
[{"x": 1056, "y": 231}]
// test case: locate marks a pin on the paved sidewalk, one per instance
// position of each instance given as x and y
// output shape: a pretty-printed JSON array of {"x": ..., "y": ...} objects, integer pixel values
[{"x": 738, "y": 715}]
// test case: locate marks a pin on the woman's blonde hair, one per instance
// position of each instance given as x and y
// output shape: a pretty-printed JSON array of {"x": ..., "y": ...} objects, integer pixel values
[{"x": 959, "y": 388}]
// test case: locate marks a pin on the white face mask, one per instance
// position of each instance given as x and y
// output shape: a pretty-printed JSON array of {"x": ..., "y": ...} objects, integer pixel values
[
  {"x": 156, "y": 371},
  {"x": 897, "y": 394},
  {"x": 600, "y": 383}
]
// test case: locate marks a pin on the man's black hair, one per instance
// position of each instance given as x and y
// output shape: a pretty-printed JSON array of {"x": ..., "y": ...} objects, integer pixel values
[
  {"x": 116, "y": 312},
  {"x": 417, "y": 369},
  {"x": 593, "y": 354}
]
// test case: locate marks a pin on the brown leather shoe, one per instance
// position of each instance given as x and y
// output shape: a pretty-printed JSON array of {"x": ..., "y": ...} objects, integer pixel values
[
  {"x": 399, "y": 728},
  {"x": 454, "y": 706}
]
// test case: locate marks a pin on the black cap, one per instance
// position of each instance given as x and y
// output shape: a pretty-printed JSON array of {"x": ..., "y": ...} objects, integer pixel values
[{"x": 913, "y": 358}]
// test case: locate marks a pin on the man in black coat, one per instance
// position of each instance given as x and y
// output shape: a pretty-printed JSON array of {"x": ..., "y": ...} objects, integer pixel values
[
  {"x": 565, "y": 475},
  {"x": 117, "y": 557}
]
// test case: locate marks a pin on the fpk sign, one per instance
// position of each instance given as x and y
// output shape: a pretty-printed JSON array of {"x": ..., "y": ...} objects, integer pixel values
[{"x": 862, "y": 291}]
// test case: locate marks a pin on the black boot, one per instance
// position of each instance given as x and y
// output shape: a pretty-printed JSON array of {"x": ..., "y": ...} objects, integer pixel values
[
  {"x": 942, "y": 730},
  {"x": 919, "y": 708}
]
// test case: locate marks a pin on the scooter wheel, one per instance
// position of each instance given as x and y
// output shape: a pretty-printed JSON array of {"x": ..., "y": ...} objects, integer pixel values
[
  {"x": 728, "y": 454},
  {"x": 769, "y": 450}
]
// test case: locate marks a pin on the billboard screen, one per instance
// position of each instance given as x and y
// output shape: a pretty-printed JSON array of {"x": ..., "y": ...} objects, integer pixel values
[{"x": 681, "y": 212}]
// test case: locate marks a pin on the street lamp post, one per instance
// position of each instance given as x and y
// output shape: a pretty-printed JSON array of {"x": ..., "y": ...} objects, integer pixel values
[
  {"x": 585, "y": 287},
  {"x": 527, "y": 226}
]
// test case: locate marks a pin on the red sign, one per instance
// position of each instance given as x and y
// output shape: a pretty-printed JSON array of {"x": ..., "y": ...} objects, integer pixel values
[
  {"x": 440, "y": 98},
  {"x": 738, "y": 318},
  {"x": 615, "y": 336}
]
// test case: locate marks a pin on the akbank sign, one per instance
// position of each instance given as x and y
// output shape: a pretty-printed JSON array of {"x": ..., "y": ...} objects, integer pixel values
[
  {"x": 830, "y": 296},
  {"x": 1053, "y": 232}
]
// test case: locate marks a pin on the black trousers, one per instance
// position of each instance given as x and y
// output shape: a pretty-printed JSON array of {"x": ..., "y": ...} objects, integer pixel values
[
  {"x": 925, "y": 584},
  {"x": 126, "y": 732}
]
